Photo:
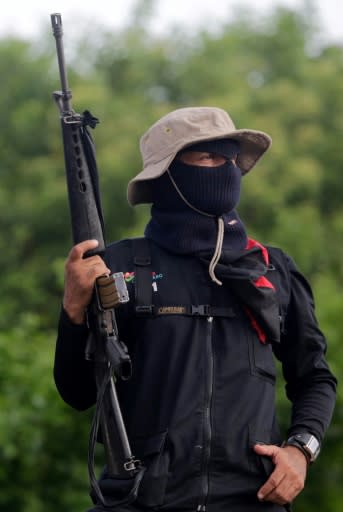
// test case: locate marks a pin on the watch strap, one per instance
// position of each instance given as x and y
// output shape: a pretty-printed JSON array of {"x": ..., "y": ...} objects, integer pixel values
[
  {"x": 307, "y": 443},
  {"x": 292, "y": 442}
]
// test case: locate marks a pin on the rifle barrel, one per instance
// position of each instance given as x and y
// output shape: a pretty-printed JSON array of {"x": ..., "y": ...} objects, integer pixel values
[{"x": 56, "y": 22}]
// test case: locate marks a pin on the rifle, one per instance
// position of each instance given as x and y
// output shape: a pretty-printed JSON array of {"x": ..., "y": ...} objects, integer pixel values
[{"x": 109, "y": 354}]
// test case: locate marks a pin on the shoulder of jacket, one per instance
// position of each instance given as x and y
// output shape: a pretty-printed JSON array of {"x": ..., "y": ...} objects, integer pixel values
[
  {"x": 280, "y": 273},
  {"x": 119, "y": 251},
  {"x": 277, "y": 253},
  {"x": 125, "y": 243},
  {"x": 281, "y": 259}
]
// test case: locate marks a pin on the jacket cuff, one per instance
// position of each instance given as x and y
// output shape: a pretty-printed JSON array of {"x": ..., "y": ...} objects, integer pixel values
[{"x": 66, "y": 323}]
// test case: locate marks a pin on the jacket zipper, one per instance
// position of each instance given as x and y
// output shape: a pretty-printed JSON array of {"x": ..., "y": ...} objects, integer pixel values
[{"x": 207, "y": 418}]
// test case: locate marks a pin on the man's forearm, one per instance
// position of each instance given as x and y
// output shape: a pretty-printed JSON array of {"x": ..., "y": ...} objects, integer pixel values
[{"x": 73, "y": 374}]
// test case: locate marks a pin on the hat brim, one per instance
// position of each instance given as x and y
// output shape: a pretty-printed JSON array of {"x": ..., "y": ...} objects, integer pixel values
[{"x": 253, "y": 144}]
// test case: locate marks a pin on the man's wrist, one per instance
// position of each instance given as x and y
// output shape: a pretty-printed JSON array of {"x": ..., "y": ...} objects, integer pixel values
[
  {"x": 297, "y": 449},
  {"x": 75, "y": 315},
  {"x": 305, "y": 442}
]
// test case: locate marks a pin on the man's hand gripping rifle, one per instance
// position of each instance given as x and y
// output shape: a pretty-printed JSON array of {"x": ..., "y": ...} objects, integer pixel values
[{"x": 110, "y": 356}]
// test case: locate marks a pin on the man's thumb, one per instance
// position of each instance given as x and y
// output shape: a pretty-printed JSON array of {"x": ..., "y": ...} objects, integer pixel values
[{"x": 265, "y": 449}]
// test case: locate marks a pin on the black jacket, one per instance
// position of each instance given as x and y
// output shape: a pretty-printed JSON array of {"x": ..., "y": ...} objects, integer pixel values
[{"x": 203, "y": 387}]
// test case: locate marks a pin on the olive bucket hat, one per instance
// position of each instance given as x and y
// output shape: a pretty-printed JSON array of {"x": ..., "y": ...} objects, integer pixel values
[{"x": 184, "y": 127}]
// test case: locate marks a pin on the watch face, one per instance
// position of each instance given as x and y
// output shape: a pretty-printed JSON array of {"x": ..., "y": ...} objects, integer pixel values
[
  {"x": 310, "y": 443},
  {"x": 313, "y": 445}
]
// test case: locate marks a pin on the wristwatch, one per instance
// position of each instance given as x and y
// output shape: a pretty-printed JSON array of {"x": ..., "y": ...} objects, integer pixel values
[{"x": 307, "y": 443}]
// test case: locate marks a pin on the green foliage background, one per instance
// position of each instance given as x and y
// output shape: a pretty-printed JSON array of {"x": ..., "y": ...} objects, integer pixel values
[{"x": 276, "y": 75}]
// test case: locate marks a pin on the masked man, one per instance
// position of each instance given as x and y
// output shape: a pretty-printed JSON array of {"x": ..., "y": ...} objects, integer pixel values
[{"x": 202, "y": 331}]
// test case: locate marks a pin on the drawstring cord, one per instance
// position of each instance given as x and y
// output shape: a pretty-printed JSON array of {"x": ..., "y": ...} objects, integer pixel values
[
  {"x": 220, "y": 232},
  {"x": 217, "y": 252}
]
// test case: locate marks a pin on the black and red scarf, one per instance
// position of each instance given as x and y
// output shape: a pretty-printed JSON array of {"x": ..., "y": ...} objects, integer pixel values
[{"x": 245, "y": 273}]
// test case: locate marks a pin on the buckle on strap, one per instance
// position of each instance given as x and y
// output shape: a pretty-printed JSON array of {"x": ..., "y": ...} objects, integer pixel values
[
  {"x": 202, "y": 310},
  {"x": 144, "y": 310},
  {"x": 142, "y": 261}
]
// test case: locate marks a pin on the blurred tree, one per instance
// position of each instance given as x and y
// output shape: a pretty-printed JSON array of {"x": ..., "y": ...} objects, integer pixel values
[{"x": 270, "y": 74}]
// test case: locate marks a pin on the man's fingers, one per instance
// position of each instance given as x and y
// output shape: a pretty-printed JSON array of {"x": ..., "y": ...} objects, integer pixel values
[
  {"x": 80, "y": 249},
  {"x": 287, "y": 479},
  {"x": 269, "y": 450},
  {"x": 284, "y": 492},
  {"x": 270, "y": 491},
  {"x": 80, "y": 276},
  {"x": 271, "y": 484},
  {"x": 85, "y": 270},
  {"x": 96, "y": 269}
]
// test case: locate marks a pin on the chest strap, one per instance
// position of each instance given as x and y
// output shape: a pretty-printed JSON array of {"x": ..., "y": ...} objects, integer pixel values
[
  {"x": 143, "y": 290},
  {"x": 201, "y": 310},
  {"x": 143, "y": 279}
]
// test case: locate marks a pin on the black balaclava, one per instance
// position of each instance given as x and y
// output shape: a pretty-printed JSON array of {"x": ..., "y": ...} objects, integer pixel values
[{"x": 189, "y": 199}]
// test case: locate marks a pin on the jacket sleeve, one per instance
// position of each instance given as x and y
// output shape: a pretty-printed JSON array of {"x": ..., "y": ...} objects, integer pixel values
[
  {"x": 310, "y": 385},
  {"x": 72, "y": 372}
]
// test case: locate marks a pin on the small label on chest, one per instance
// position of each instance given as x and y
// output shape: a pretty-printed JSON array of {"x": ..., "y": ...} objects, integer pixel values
[{"x": 171, "y": 310}]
